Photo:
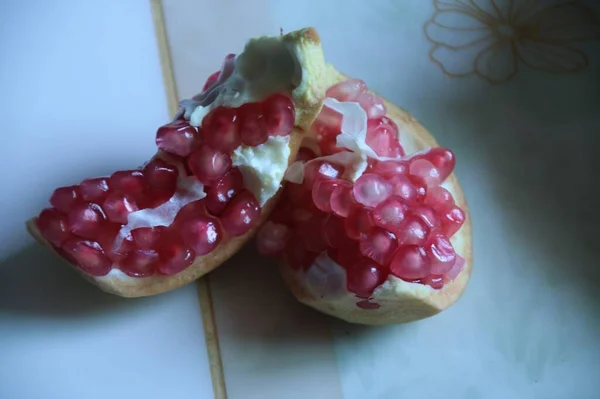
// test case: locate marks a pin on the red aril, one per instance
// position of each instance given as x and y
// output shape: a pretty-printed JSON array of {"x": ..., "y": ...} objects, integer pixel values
[
  {"x": 420, "y": 187},
  {"x": 208, "y": 164},
  {"x": 322, "y": 192},
  {"x": 129, "y": 182},
  {"x": 438, "y": 198},
  {"x": 300, "y": 216},
  {"x": 298, "y": 257},
  {"x": 321, "y": 170},
  {"x": 220, "y": 129},
  {"x": 161, "y": 175},
  {"x": 440, "y": 253},
  {"x": 410, "y": 263},
  {"x": 348, "y": 254},
  {"x": 455, "y": 270},
  {"x": 442, "y": 158},
  {"x": 54, "y": 226},
  {"x": 174, "y": 256},
  {"x": 305, "y": 154},
  {"x": 379, "y": 245},
  {"x": 312, "y": 234},
  {"x": 202, "y": 233},
  {"x": 189, "y": 211},
  {"x": 368, "y": 305},
  {"x": 372, "y": 104},
  {"x": 140, "y": 262},
  {"x": 388, "y": 169},
  {"x": 348, "y": 90},
  {"x": 371, "y": 190},
  {"x": 403, "y": 188},
  {"x": 272, "y": 238},
  {"x": 64, "y": 198},
  {"x": 328, "y": 124},
  {"x": 435, "y": 282},
  {"x": 212, "y": 79},
  {"x": 359, "y": 223},
  {"x": 118, "y": 206},
  {"x": 342, "y": 200},
  {"x": 390, "y": 214},
  {"x": 252, "y": 124},
  {"x": 363, "y": 277},
  {"x": 88, "y": 255},
  {"x": 427, "y": 215},
  {"x": 218, "y": 195},
  {"x": 147, "y": 237},
  {"x": 452, "y": 219},
  {"x": 86, "y": 220},
  {"x": 426, "y": 171},
  {"x": 382, "y": 137},
  {"x": 280, "y": 115},
  {"x": 94, "y": 190},
  {"x": 413, "y": 231},
  {"x": 178, "y": 137},
  {"x": 334, "y": 233},
  {"x": 241, "y": 214},
  {"x": 328, "y": 145},
  {"x": 107, "y": 238}
]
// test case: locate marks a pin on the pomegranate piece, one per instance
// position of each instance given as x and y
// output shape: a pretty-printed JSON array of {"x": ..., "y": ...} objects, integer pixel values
[
  {"x": 280, "y": 115},
  {"x": 334, "y": 233},
  {"x": 298, "y": 257},
  {"x": 341, "y": 200},
  {"x": 88, "y": 255},
  {"x": 107, "y": 240},
  {"x": 371, "y": 190},
  {"x": 203, "y": 234},
  {"x": 382, "y": 137},
  {"x": 161, "y": 175},
  {"x": 221, "y": 130},
  {"x": 389, "y": 214},
  {"x": 420, "y": 187},
  {"x": 347, "y": 254},
  {"x": 178, "y": 137},
  {"x": 212, "y": 79},
  {"x": 86, "y": 220},
  {"x": 413, "y": 231},
  {"x": 118, "y": 207},
  {"x": 403, "y": 188},
  {"x": 442, "y": 158},
  {"x": 189, "y": 211},
  {"x": 372, "y": 104},
  {"x": 316, "y": 170},
  {"x": 368, "y": 305},
  {"x": 94, "y": 190},
  {"x": 456, "y": 269},
  {"x": 129, "y": 182},
  {"x": 208, "y": 164},
  {"x": 174, "y": 257},
  {"x": 438, "y": 198},
  {"x": 452, "y": 219},
  {"x": 435, "y": 282},
  {"x": 54, "y": 226},
  {"x": 147, "y": 237},
  {"x": 379, "y": 245},
  {"x": 328, "y": 145},
  {"x": 252, "y": 124},
  {"x": 272, "y": 238},
  {"x": 322, "y": 193},
  {"x": 348, "y": 90},
  {"x": 223, "y": 191},
  {"x": 388, "y": 169},
  {"x": 241, "y": 214},
  {"x": 363, "y": 277},
  {"x": 328, "y": 123},
  {"x": 427, "y": 215},
  {"x": 410, "y": 263},
  {"x": 64, "y": 198},
  {"x": 425, "y": 171},
  {"x": 305, "y": 154},
  {"x": 440, "y": 253},
  {"x": 312, "y": 234},
  {"x": 140, "y": 262},
  {"x": 359, "y": 223}
]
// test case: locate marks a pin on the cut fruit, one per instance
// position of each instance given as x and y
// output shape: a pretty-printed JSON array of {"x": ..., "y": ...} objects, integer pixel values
[{"x": 149, "y": 230}]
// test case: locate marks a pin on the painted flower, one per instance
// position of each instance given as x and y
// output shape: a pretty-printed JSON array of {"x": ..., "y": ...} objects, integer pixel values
[{"x": 491, "y": 38}]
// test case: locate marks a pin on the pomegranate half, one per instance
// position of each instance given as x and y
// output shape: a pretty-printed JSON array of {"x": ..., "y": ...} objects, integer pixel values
[
  {"x": 213, "y": 181},
  {"x": 372, "y": 226}
]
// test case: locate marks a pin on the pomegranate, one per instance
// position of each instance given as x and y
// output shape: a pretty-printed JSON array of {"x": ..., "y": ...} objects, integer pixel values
[
  {"x": 391, "y": 227},
  {"x": 208, "y": 187}
]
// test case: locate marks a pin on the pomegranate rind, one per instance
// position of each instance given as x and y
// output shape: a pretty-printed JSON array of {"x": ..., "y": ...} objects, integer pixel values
[{"x": 399, "y": 301}]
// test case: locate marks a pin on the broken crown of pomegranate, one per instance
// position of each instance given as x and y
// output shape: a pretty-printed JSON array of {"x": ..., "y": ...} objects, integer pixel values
[
  {"x": 198, "y": 199},
  {"x": 363, "y": 231}
]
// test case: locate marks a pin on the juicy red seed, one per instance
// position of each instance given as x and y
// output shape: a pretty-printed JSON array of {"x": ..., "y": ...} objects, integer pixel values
[
  {"x": 305, "y": 154},
  {"x": 456, "y": 269},
  {"x": 389, "y": 169},
  {"x": 178, "y": 137},
  {"x": 252, "y": 124},
  {"x": 452, "y": 219},
  {"x": 88, "y": 255},
  {"x": 328, "y": 123},
  {"x": 438, "y": 197},
  {"x": 272, "y": 238},
  {"x": 312, "y": 234},
  {"x": 208, "y": 164},
  {"x": 333, "y": 231},
  {"x": 413, "y": 231},
  {"x": 316, "y": 170},
  {"x": 298, "y": 257},
  {"x": 106, "y": 239},
  {"x": 359, "y": 223},
  {"x": 389, "y": 214},
  {"x": 322, "y": 192},
  {"x": 435, "y": 282},
  {"x": 379, "y": 245},
  {"x": 410, "y": 262},
  {"x": 280, "y": 115},
  {"x": 368, "y": 305},
  {"x": 130, "y": 182},
  {"x": 241, "y": 214},
  {"x": 282, "y": 213},
  {"x": 427, "y": 215},
  {"x": 64, "y": 198},
  {"x": 141, "y": 262},
  {"x": 203, "y": 234},
  {"x": 328, "y": 146},
  {"x": 382, "y": 137},
  {"x": 442, "y": 158},
  {"x": 190, "y": 211},
  {"x": 174, "y": 258},
  {"x": 118, "y": 207},
  {"x": 94, "y": 190},
  {"x": 403, "y": 188},
  {"x": 341, "y": 200},
  {"x": 86, "y": 220},
  {"x": 223, "y": 191},
  {"x": 426, "y": 171},
  {"x": 161, "y": 175},
  {"x": 147, "y": 237},
  {"x": 348, "y": 90},
  {"x": 371, "y": 190},
  {"x": 347, "y": 254},
  {"x": 363, "y": 277},
  {"x": 297, "y": 194},
  {"x": 212, "y": 79},
  {"x": 221, "y": 130},
  {"x": 54, "y": 226},
  {"x": 440, "y": 253},
  {"x": 372, "y": 104},
  {"x": 420, "y": 186}
]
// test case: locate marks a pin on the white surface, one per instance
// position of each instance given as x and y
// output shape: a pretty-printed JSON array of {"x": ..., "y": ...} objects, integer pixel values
[
  {"x": 82, "y": 95},
  {"x": 527, "y": 327}
]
